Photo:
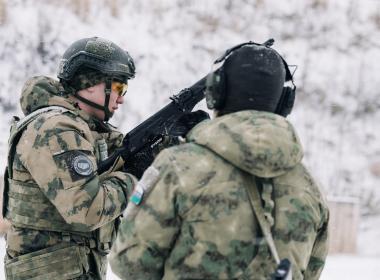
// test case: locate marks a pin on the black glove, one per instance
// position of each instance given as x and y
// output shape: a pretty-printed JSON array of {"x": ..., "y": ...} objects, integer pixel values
[
  {"x": 186, "y": 122},
  {"x": 139, "y": 162}
]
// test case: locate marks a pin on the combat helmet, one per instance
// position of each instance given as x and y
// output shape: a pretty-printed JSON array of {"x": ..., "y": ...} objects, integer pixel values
[{"x": 90, "y": 61}]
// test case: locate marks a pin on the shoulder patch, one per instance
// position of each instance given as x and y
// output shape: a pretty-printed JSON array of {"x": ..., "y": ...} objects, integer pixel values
[
  {"x": 82, "y": 165},
  {"x": 77, "y": 162},
  {"x": 141, "y": 191}
]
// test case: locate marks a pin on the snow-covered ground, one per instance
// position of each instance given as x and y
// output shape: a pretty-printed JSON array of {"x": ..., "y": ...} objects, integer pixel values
[{"x": 349, "y": 267}]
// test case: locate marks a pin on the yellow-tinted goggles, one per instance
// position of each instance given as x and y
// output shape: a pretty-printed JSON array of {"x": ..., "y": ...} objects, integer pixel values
[{"x": 120, "y": 88}]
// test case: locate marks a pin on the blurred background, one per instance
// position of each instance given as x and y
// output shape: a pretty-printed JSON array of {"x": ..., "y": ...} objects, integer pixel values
[{"x": 334, "y": 43}]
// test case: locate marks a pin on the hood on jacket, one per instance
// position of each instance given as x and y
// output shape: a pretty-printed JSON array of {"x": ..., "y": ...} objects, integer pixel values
[
  {"x": 260, "y": 143},
  {"x": 39, "y": 92}
]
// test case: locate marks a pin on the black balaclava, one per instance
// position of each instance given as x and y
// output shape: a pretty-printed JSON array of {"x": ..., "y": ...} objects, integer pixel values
[{"x": 255, "y": 76}]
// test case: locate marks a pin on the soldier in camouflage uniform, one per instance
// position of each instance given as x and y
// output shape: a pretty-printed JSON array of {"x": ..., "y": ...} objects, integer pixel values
[
  {"x": 63, "y": 213},
  {"x": 195, "y": 220}
]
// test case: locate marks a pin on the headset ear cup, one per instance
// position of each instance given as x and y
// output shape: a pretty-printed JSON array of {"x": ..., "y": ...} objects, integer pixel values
[
  {"x": 209, "y": 92},
  {"x": 286, "y": 102},
  {"x": 215, "y": 89},
  {"x": 220, "y": 88}
]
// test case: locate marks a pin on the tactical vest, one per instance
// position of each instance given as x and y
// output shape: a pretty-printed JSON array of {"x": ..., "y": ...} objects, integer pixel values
[{"x": 18, "y": 193}]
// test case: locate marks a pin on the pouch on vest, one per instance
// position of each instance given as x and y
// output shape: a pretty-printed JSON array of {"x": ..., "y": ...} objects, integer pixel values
[
  {"x": 63, "y": 261},
  {"x": 106, "y": 235}
]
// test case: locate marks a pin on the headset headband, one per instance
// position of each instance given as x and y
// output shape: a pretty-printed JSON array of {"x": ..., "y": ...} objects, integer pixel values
[{"x": 268, "y": 44}]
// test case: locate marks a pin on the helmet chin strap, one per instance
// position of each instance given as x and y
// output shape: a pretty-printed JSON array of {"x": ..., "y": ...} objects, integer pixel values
[{"x": 107, "y": 91}]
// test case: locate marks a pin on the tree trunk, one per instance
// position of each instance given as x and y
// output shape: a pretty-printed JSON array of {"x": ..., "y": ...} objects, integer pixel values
[{"x": 3, "y": 12}]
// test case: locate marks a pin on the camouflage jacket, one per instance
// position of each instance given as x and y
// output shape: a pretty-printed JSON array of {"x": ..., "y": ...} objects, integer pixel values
[
  {"x": 55, "y": 187},
  {"x": 197, "y": 222}
]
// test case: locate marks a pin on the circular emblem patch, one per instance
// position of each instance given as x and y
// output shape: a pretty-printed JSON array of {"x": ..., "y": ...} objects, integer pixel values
[{"x": 82, "y": 165}]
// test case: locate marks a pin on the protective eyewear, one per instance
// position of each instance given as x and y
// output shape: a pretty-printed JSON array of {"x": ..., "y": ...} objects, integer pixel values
[{"x": 120, "y": 88}]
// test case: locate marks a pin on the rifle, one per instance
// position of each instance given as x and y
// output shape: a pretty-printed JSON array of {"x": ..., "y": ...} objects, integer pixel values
[{"x": 151, "y": 132}]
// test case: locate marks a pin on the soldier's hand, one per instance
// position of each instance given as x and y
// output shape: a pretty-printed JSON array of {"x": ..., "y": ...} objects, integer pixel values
[
  {"x": 185, "y": 123},
  {"x": 139, "y": 162}
]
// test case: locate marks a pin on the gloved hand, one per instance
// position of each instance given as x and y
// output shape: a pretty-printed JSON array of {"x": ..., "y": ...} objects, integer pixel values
[
  {"x": 139, "y": 162},
  {"x": 185, "y": 123}
]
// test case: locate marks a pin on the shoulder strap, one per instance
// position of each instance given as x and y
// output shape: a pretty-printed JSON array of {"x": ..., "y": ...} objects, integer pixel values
[
  {"x": 283, "y": 269},
  {"x": 256, "y": 205},
  {"x": 32, "y": 116},
  {"x": 18, "y": 127}
]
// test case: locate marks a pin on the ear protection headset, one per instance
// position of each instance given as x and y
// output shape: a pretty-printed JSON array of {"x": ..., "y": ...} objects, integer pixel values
[{"x": 216, "y": 83}]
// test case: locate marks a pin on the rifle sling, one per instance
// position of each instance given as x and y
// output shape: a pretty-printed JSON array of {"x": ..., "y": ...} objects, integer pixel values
[{"x": 257, "y": 209}]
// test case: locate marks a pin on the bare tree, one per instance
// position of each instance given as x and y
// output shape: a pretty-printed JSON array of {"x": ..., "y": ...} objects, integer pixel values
[
  {"x": 81, "y": 8},
  {"x": 113, "y": 5},
  {"x": 3, "y": 11}
]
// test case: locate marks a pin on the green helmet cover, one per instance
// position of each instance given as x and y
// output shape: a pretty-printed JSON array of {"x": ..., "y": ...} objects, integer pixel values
[{"x": 97, "y": 54}]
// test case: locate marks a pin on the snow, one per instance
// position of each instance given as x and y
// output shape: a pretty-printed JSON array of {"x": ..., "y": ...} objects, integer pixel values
[
  {"x": 351, "y": 268},
  {"x": 335, "y": 43}
]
